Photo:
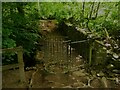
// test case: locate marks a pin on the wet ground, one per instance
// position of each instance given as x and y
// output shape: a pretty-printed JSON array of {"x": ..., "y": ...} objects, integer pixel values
[{"x": 60, "y": 68}]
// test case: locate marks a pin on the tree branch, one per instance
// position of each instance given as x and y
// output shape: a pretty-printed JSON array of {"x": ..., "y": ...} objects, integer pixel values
[
  {"x": 83, "y": 7},
  {"x": 97, "y": 10},
  {"x": 91, "y": 10}
]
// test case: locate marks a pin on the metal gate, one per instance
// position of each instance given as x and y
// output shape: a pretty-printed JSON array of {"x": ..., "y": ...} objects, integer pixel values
[{"x": 57, "y": 54}]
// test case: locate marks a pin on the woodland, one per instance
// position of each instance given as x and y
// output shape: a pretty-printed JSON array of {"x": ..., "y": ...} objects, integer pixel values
[{"x": 90, "y": 33}]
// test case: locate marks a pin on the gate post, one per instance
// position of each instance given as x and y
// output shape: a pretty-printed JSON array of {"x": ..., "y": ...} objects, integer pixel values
[
  {"x": 70, "y": 56},
  {"x": 67, "y": 54},
  {"x": 21, "y": 65},
  {"x": 90, "y": 53}
]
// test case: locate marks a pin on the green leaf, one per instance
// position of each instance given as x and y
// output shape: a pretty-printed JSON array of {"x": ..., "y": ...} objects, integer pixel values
[{"x": 8, "y": 43}]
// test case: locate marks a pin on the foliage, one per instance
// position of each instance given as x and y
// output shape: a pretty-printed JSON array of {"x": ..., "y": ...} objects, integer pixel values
[
  {"x": 99, "y": 18},
  {"x": 104, "y": 15},
  {"x": 20, "y": 26}
]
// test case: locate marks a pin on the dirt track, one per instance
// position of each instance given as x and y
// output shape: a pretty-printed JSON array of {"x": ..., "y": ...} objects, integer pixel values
[{"x": 58, "y": 71}]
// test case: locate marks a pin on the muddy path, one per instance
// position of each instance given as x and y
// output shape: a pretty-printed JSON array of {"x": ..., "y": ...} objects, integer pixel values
[
  {"x": 62, "y": 67},
  {"x": 59, "y": 66}
]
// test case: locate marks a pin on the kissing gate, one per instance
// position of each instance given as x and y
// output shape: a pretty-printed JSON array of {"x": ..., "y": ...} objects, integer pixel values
[{"x": 57, "y": 54}]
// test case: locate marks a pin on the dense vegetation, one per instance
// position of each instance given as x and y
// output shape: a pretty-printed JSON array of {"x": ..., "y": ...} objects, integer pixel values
[{"x": 20, "y": 26}]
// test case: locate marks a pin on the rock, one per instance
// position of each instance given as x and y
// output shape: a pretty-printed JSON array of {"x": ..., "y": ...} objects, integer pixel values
[
  {"x": 58, "y": 85},
  {"x": 83, "y": 80},
  {"x": 111, "y": 84},
  {"x": 67, "y": 87},
  {"x": 110, "y": 66},
  {"x": 116, "y": 71},
  {"x": 117, "y": 81},
  {"x": 115, "y": 55},
  {"x": 39, "y": 55},
  {"x": 100, "y": 74},
  {"x": 104, "y": 82},
  {"x": 96, "y": 83},
  {"x": 78, "y": 57},
  {"x": 71, "y": 80},
  {"x": 30, "y": 68},
  {"x": 78, "y": 73},
  {"x": 107, "y": 45},
  {"x": 93, "y": 72},
  {"x": 78, "y": 84}
]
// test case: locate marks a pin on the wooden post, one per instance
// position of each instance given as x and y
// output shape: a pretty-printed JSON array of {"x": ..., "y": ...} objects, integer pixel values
[
  {"x": 21, "y": 65},
  {"x": 61, "y": 50},
  {"x": 90, "y": 54},
  {"x": 67, "y": 54}
]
